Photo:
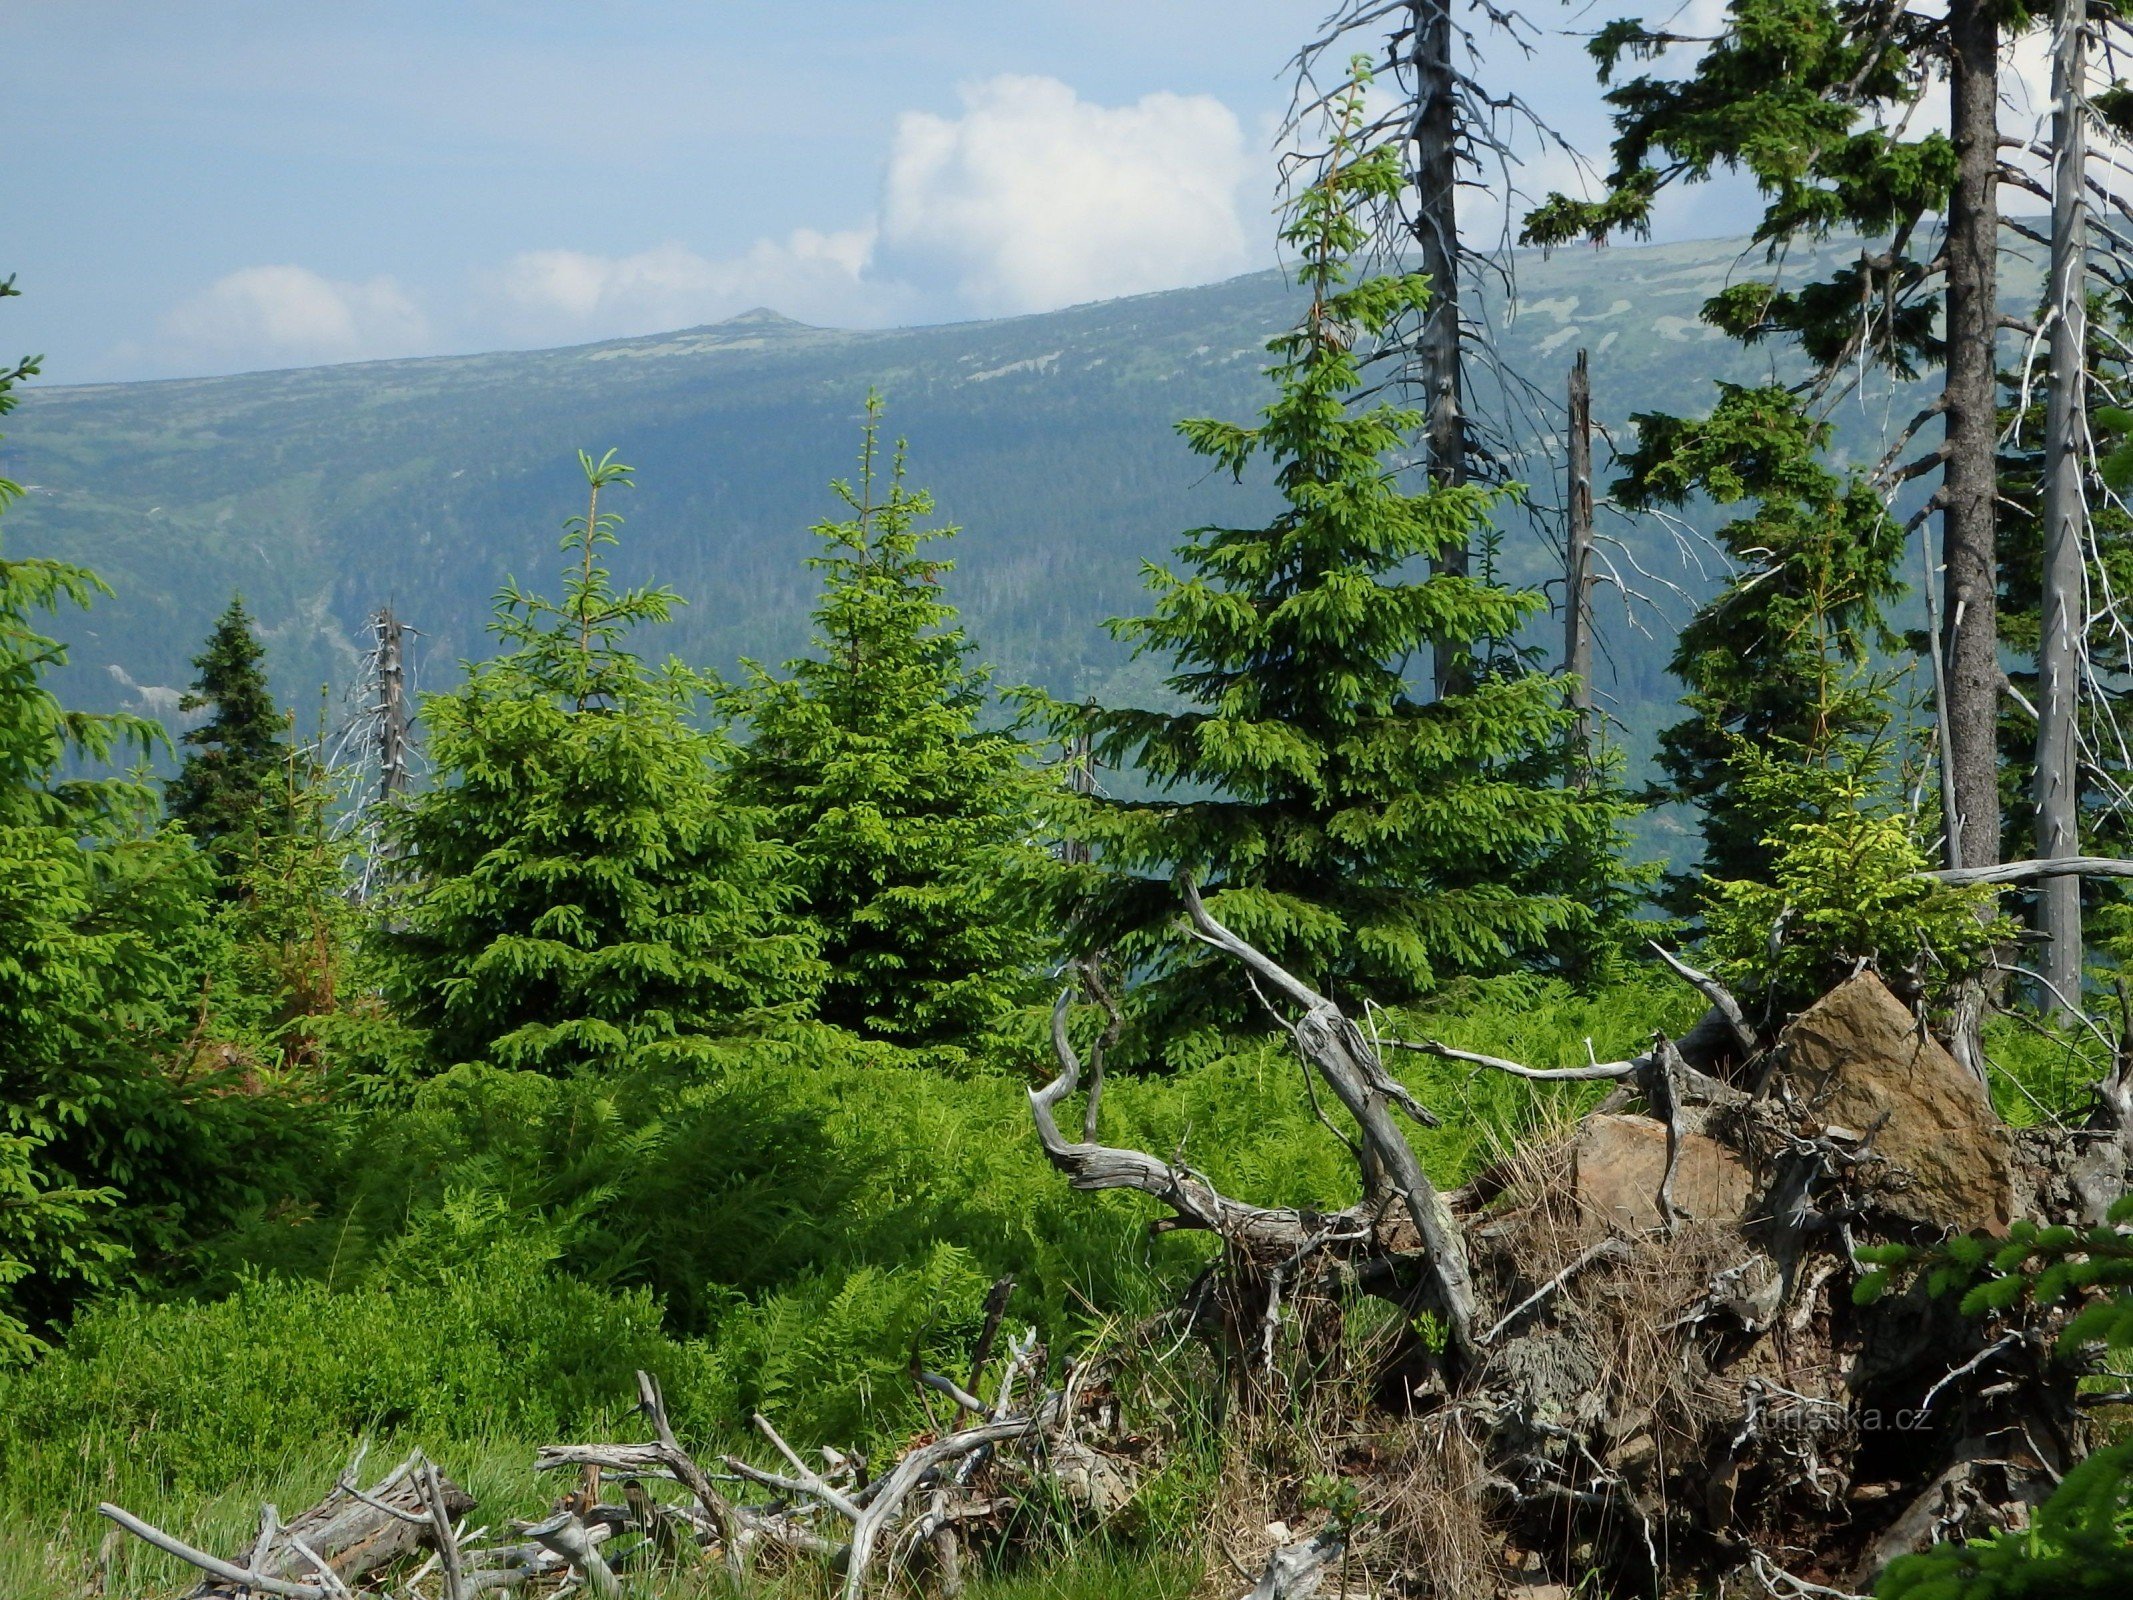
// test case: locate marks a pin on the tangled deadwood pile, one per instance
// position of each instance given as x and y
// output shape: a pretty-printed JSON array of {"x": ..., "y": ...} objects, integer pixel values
[
  {"x": 958, "y": 1484},
  {"x": 1633, "y": 1351},
  {"x": 1629, "y": 1352}
]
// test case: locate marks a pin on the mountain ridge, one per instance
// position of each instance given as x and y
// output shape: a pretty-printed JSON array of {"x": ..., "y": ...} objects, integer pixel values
[{"x": 1049, "y": 437}]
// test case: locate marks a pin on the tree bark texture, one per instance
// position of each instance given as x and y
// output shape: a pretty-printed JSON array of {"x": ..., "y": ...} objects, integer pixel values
[
  {"x": 1434, "y": 140},
  {"x": 1970, "y": 480},
  {"x": 1577, "y": 576}
]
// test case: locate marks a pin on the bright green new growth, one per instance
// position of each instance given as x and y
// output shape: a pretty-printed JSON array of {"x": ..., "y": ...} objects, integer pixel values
[
  {"x": 583, "y": 896},
  {"x": 907, "y": 822},
  {"x": 1371, "y": 842},
  {"x": 1844, "y": 882},
  {"x": 224, "y": 794}
]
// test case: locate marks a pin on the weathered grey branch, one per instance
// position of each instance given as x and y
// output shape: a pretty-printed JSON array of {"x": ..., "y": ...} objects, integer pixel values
[
  {"x": 809, "y": 1480},
  {"x": 1295, "y": 1571},
  {"x": 213, "y": 1566},
  {"x": 1195, "y": 1201},
  {"x": 566, "y": 1534},
  {"x": 769, "y": 1480},
  {"x": 1718, "y": 994},
  {"x": 907, "y": 1475},
  {"x": 419, "y": 1519},
  {"x": 1351, "y": 1068},
  {"x": 954, "y": 1391},
  {"x": 633, "y": 1460},
  {"x": 2030, "y": 871},
  {"x": 322, "y": 1569},
  {"x": 270, "y": 1522},
  {"x": 1598, "y": 1071},
  {"x": 683, "y": 1466},
  {"x": 455, "y": 1586}
]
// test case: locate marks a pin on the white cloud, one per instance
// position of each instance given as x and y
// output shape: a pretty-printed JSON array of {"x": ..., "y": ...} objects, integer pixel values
[
  {"x": 810, "y": 275},
  {"x": 1035, "y": 198},
  {"x": 1031, "y": 198},
  {"x": 265, "y": 315}
]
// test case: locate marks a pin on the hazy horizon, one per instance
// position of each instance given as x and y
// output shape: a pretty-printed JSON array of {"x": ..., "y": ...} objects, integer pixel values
[{"x": 245, "y": 186}]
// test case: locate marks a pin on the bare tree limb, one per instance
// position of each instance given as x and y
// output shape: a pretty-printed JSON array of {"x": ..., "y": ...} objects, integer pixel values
[
  {"x": 2029, "y": 871},
  {"x": 566, "y": 1534},
  {"x": 1718, "y": 994},
  {"x": 906, "y": 1476},
  {"x": 1351, "y": 1068},
  {"x": 213, "y": 1566},
  {"x": 953, "y": 1390},
  {"x": 1599, "y": 1071},
  {"x": 455, "y": 1585},
  {"x": 1196, "y": 1202},
  {"x": 683, "y": 1466},
  {"x": 327, "y": 1577},
  {"x": 810, "y": 1480}
]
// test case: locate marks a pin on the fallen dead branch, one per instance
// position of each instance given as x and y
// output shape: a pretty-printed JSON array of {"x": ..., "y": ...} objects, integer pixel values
[
  {"x": 348, "y": 1536},
  {"x": 214, "y": 1566},
  {"x": 1652, "y": 1363},
  {"x": 1294, "y": 1571},
  {"x": 929, "y": 1499}
]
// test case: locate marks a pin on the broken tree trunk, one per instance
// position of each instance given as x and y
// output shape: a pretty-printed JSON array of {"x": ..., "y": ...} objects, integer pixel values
[{"x": 347, "y": 1537}]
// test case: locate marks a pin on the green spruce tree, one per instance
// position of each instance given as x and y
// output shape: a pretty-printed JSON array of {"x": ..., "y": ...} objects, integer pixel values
[
  {"x": 115, "y": 1144},
  {"x": 1773, "y": 660},
  {"x": 907, "y": 820},
  {"x": 582, "y": 895},
  {"x": 224, "y": 793},
  {"x": 1371, "y": 841}
]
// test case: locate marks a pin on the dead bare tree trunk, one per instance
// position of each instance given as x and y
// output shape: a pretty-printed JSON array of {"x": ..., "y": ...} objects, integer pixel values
[
  {"x": 2055, "y": 783},
  {"x": 1433, "y": 137},
  {"x": 1577, "y": 576},
  {"x": 393, "y": 722}
]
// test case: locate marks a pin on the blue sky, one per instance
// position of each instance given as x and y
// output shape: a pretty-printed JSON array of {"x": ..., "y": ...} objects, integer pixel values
[{"x": 217, "y": 185}]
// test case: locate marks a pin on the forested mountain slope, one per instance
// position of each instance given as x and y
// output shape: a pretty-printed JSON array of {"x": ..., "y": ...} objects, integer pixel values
[{"x": 321, "y": 493}]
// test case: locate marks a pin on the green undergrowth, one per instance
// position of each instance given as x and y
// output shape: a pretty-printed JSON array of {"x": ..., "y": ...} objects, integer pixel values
[
  {"x": 2041, "y": 1072},
  {"x": 481, "y": 1268}
]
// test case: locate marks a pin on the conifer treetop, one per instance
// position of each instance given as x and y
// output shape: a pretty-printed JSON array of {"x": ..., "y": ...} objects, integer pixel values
[
  {"x": 1361, "y": 835},
  {"x": 582, "y": 895},
  {"x": 234, "y": 763},
  {"x": 906, "y": 818}
]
